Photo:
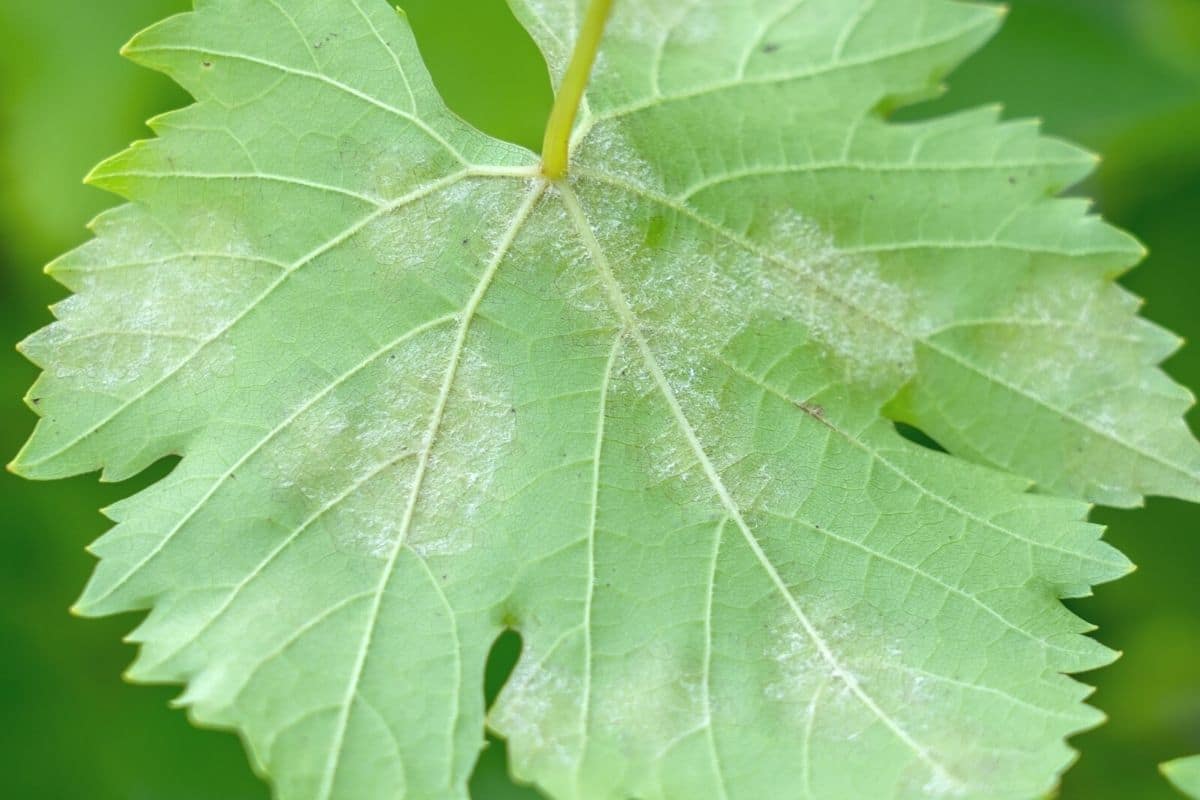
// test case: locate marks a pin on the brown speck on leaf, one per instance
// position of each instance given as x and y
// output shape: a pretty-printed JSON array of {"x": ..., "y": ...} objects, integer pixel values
[
  {"x": 770, "y": 47},
  {"x": 206, "y": 64},
  {"x": 812, "y": 409}
]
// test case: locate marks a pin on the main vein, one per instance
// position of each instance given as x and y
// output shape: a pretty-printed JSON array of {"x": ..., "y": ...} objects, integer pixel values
[
  {"x": 621, "y": 306},
  {"x": 431, "y": 434}
]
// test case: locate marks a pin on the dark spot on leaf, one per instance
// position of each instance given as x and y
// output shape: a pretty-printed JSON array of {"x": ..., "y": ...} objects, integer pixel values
[
  {"x": 770, "y": 47},
  {"x": 1012, "y": 179},
  {"x": 812, "y": 409},
  {"x": 206, "y": 64},
  {"x": 465, "y": 242}
]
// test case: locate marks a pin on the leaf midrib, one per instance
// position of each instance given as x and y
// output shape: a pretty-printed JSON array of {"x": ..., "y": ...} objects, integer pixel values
[
  {"x": 621, "y": 307},
  {"x": 467, "y": 318}
]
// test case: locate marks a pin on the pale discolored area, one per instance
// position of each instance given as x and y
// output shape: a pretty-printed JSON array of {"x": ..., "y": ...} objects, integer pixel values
[{"x": 422, "y": 395}]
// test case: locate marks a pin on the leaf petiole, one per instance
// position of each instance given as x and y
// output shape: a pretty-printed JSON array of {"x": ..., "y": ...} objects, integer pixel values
[{"x": 570, "y": 93}]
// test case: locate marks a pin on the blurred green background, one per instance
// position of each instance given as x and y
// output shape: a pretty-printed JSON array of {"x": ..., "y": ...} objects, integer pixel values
[{"x": 1120, "y": 76}]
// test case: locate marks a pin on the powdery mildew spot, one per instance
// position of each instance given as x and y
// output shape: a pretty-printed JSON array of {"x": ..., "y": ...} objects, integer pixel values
[
  {"x": 476, "y": 432},
  {"x": 351, "y": 452},
  {"x": 866, "y": 663},
  {"x": 539, "y": 703},
  {"x": 611, "y": 149},
  {"x": 865, "y": 322},
  {"x": 648, "y": 699},
  {"x": 115, "y": 338}
]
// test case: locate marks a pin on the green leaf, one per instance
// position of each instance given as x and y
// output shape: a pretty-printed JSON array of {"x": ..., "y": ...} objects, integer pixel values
[
  {"x": 1184, "y": 774},
  {"x": 643, "y": 416}
]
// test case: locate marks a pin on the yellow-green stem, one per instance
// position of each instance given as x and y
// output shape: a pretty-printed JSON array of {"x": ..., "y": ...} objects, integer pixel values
[{"x": 570, "y": 93}]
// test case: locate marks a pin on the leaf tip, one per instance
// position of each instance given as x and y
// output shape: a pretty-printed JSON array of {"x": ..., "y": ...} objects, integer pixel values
[
  {"x": 130, "y": 49},
  {"x": 21, "y": 466},
  {"x": 88, "y": 606}
]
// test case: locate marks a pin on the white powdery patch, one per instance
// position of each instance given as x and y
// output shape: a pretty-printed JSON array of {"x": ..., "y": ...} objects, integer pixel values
[
  {"x": 667, "y": 460},
  {"x": 865, "y": 683},
  {"x": 642, "y": 23},
  {"x": 577, "y": 280},
  {"x": 349, "y": 456},
  {"x": 539, "y": 711},
  {"x": 648, "y": 698},
  {"x": 942, "y": 784},
  {"x": 413, "y": 236},
  {"x": 700, "y": 26},
  {"x": 699, "y": 290},
  {"x": 609, "y": 148},
  {"x": 114, "y": 339},
  {"x": 1064, "y": 347},
  {"x": 475, "y": 433},
  {"x": 803, "y": 672},
  {"x": 866, "y": 322}
]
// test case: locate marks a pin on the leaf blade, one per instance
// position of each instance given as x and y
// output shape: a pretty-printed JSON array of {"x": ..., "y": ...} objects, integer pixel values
[{"x": 422, "y": 396}]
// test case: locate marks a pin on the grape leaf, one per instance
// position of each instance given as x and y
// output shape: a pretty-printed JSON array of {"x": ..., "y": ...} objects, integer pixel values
[
  {"x": 643, "y": 416},
  {"x": 1184, "y": 774}
]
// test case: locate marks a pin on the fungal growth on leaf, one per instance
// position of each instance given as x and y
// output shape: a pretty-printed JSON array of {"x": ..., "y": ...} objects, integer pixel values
[{"x": 638, "y": 405}]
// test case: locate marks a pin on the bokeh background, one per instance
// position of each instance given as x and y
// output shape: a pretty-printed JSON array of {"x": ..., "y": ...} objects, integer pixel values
[{"x": 1120, "y": 76}]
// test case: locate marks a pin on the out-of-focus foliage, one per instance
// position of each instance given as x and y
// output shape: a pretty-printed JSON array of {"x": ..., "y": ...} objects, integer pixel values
[{"x": 1121, "y": 76}]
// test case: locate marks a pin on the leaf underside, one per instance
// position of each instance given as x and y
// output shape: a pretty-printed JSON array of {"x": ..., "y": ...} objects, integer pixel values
[{"x": 643, "y": 416}]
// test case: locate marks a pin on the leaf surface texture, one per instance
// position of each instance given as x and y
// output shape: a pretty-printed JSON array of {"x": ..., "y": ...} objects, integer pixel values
[{"x": 644, "y": 416}]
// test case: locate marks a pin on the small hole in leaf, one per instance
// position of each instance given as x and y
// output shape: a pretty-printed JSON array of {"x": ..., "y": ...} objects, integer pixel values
[
  {"x": 918, "y": 437},
  {"x": 502, "y": 659},
  {"x": 491, "y": 779},
  {"x": 485, "y": 65}
]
